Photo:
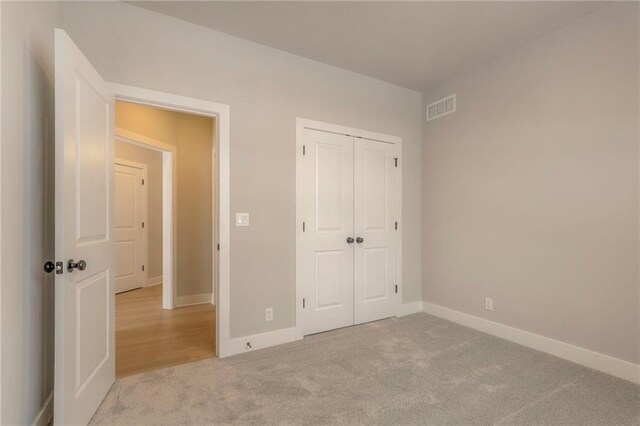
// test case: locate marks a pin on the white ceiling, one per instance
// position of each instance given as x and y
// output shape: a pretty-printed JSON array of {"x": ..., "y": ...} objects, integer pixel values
[{"x": 412, "y": 44}]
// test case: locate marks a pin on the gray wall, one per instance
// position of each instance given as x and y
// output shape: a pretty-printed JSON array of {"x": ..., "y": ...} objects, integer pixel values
[
  {"x": 153, "y": 184},
  {"x": 26, "y": 294},
  {"x": 194, "y": 139},
  {"x": 266, "y": 90},
  {"x": 530, "y": 190}
]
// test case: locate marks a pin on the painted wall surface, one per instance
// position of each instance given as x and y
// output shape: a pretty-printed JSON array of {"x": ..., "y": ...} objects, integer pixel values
[
  {"x": 194, "y": 139},
  {"x": 192, "y": 135},
  {"x": 530, "y": 189},
  {"x": 153, "y": 186},
  {"x": 26, "y": 292},
  {"x": 266, "y": 90}
]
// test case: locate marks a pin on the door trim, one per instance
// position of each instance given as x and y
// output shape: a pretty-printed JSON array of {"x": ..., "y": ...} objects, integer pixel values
[
  {"x": 169, "y": 209},
  {"x": 221, "y": 192},
  {"x": 304, "y": 123},
  {"x": 145, "y": 212}
]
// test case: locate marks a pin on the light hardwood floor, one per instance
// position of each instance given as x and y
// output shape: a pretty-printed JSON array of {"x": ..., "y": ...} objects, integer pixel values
[{"x": 149, "y": 337}]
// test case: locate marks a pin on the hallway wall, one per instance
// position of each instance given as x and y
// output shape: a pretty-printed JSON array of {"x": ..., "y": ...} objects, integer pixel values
[{"x": 27, "y": 214}]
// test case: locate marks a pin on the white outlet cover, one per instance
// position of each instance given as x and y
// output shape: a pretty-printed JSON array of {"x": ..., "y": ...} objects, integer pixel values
[
  {"x": 242, "y": 219},
  {"x": 488, "y": 303},
  {"x": 269, "y": 314}
]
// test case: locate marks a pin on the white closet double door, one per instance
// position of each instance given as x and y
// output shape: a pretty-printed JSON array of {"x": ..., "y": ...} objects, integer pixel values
[{"x": 349, "y": 239}]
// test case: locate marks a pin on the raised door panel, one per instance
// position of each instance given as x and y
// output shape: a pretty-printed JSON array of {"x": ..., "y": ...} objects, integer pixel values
[
  {"x": 92, "y": 333},
  {"x": 92, "y": 148},
  {"x": 125, "y": 215},
  {"x": 329, "y": 187}
]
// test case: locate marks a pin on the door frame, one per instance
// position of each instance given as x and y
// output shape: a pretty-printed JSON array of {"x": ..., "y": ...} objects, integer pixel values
[
  {"x": 169, "y": 210},
  {"x": 221, "y": 193},
  {"x": 305, "y": 123},
  {"x": 145, "y": 212}
]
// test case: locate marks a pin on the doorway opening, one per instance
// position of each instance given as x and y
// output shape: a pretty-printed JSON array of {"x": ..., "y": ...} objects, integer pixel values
[{"x": 165, "y": 236}]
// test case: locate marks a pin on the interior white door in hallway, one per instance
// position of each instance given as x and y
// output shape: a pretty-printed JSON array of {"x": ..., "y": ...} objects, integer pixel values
[
  {"x": 85, "y": 296},
  {"x": 349, "y": 243},
  {"x": 129, "y": 225}
]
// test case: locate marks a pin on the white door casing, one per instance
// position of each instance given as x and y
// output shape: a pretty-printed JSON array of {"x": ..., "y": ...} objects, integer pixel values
[
  {"x": 129, "y": 219},
  {"x": 327, "y": 259},
  {"x": 169, "y": 208},
  {"x": 84, "y": 305},
  {"x": 374, "y": 222},
  {"x": 225, "y": 345}
]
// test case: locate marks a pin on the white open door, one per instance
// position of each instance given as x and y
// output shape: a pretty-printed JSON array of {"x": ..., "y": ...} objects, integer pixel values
[{"x": 85, "y": 296}]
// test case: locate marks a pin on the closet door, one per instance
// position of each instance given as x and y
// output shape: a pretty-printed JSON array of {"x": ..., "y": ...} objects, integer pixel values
[
  {"x": 328, "y": 214},
  {"x": 375, "y": 183}
]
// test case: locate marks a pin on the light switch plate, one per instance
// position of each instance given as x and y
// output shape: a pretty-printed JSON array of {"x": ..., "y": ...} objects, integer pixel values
[{"x": 242, "y": 219}]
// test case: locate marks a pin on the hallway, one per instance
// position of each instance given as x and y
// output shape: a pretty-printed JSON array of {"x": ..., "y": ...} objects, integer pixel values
[{"x": 149, "y": 337}]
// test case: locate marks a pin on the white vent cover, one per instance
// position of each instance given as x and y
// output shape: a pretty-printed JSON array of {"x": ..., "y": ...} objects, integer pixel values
[{"x": 442, "y": 107}]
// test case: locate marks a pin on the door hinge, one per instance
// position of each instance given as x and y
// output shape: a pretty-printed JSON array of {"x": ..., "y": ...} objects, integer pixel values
[
  {"x": 304, "y": 150},
  {"x": 142, "y": 268},
  {"x": 304, "y": 227},
  {"x": 304, "y": 303},
  {"x": 396, "y": 226},
  {"x": 142, "y": 225},
  {"x": 143, "y": 181},
  {"x": 218, "y": 247},
  {"x": 396, "y": 288},
  {"x": 396, "y": 160}
]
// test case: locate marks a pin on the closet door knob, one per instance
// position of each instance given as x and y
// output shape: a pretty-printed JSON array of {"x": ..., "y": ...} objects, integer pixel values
[
  {"x": 350, "y": 240},
  {"x": 359, "y": 240}
]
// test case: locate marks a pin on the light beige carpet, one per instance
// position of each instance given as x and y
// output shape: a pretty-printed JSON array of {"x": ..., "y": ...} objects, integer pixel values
[{"x": 413, "y": 370}]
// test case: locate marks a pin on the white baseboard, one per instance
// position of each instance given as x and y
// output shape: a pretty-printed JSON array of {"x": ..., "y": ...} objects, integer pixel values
[
  {"x": 151, "y": 281},
  {"x": 45, "y": 414},
  {"x": 598, "y": 361},
  {"x": 409, "y": 308},
  {"x": 259, "y": 341},
  {"x": 194, "y": 299}
]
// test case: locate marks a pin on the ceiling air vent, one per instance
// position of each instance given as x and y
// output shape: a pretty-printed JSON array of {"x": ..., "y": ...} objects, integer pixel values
[{"x": 442, "y": 107}]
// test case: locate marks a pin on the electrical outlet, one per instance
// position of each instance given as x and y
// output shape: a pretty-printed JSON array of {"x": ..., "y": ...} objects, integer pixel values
[
  {"x": 268, "y": 314},
  {"x": 488, "y": 303}
]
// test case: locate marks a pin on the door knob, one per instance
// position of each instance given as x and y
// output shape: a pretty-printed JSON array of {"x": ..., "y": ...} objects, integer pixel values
[
  {"x": 49, "y": 266},
  {"x": 350, "y": 240},
  {"x": 359, "y": 240},
  {"x": 80, "y": 265}
]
